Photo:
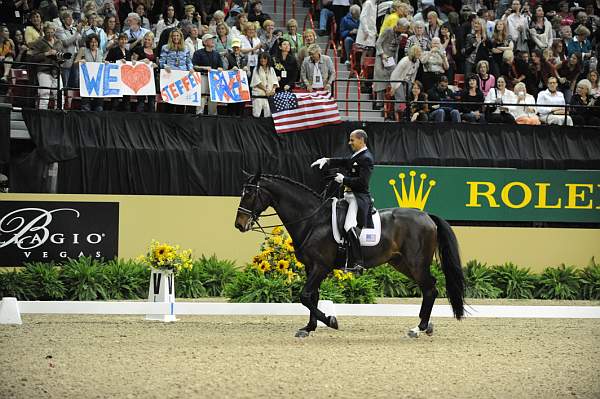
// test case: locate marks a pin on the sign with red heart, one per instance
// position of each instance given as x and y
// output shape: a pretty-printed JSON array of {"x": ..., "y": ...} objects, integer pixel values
[{"x": 137, "y": 79}]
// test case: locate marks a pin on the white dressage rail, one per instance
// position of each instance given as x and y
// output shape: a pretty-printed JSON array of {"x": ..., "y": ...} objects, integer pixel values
[{"x": 11, "y": 309}]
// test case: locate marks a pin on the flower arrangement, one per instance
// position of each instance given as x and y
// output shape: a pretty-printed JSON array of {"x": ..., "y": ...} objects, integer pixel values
[
  {"x": 277, "y": 257},
  {"x": 167, "y": 257}
]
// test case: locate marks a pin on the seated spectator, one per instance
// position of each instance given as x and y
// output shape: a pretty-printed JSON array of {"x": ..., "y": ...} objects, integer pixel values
[
  {"x": 435, "y": 64},
  {"x": 540, "y": 30},
  {"x": 7, "y": 53},
  {"x": 308, "y": 38},
  {"x": 472, "y": 94},
  {"x": 146, "y": 53},
  {"x": 267, "y": 38},
  {"x": 539, "y": 72},
  {"x": 568, "y": 74},
  {"x": 251, "y": 45},
  {"x": 416, "y": 110},
  {"x": 325, "y": 15},
  {"x": 419, "y": 37},
  {"x": 193, "y": 43},
  {"x": 584, "y": 116},
  {"x": 349, "y": 29},
  {"x": 499, "y": 95},
  {"x": 90, "y": 53},
  {"x": 45, "y": 51},
  {"x": 385, "y": 58},
  {"x": 404, "y": 74},
  {"x": 264, "y": 83},
  {"x": 526, "y": 113},
  {"x": 204, "y": 60},
  {"x": 135, "y": 33},
  {"x": 486, "y": 81},
  {"x": 499, "y": 44},
  {"x": 256, "y": 14},
  {"x": 559, "y": 54},
  {"x": 286, "y": 66},
  {"x": 167, "y": 21},
  {"x": 34, "y": 30},
  {"x": 317, "y": 72},
  {"x": 293, "y": 36},
  {"x": 580, "y": 43},
  {"x": 593, "y": 78},
  {"x": 222, "y": 39},
  {"x": 442, "y": 112},
  {"x": 554, "y": 112},
  {"x": 236, "y": 60}
]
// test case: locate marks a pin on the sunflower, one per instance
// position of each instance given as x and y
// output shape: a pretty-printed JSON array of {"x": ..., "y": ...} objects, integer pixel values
[
  {"x": 283, "y": 265},
  {"x": 289, "y": 245},
  {"x": 256, "y": 259},
  {"x": 277, "y": 241},
  {"x": 277, "y": 231},
  {"x": 264, "y": 266}
]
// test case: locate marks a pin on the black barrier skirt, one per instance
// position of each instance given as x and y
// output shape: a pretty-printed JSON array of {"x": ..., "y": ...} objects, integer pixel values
[
  {"x": 172, "y": 154},
  {"x": 4, "y": 135}
]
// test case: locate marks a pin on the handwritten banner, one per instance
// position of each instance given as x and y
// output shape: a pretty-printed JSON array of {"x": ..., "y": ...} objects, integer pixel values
[
  {"x": 228, "y": 86},
  {"x": 97, "y": 79},
  {"x": 180, "y": 87}
]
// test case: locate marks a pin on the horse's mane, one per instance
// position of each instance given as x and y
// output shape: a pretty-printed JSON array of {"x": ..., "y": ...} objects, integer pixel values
[{"x": 295, "y": 183}]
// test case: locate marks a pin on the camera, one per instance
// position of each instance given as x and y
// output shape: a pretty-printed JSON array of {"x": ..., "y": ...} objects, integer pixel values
[{"x": 62, "y": 56}]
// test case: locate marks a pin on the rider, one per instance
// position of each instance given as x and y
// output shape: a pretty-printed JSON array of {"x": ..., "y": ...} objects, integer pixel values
[{"x": 358, "y": 169}]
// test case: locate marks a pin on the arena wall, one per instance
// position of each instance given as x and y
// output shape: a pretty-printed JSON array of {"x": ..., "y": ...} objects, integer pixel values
[{"x": 206, "y": 225}]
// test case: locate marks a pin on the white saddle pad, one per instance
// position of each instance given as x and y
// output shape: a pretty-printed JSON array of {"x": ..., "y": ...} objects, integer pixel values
[{"x": 368, "y": 237}]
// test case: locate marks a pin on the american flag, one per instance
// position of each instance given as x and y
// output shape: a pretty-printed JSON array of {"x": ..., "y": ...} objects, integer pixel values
[{"x": 299, "y": 111}]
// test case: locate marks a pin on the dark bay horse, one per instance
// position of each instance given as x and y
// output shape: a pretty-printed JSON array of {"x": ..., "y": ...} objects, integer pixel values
[{"x": 409, "y": 239}]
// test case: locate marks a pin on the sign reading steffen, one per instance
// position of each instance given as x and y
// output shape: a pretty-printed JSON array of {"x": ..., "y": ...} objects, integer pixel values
[
  {"x": 491, "y": 194},
  {"x": 55, "y": 231}
]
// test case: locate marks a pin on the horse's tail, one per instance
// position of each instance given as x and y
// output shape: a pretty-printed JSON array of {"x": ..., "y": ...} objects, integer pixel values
[{"x": 450, "y": 260}]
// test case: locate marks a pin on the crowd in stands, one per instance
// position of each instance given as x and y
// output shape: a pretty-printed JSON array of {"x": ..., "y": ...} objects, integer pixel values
[{"x": 499, "y": 61}]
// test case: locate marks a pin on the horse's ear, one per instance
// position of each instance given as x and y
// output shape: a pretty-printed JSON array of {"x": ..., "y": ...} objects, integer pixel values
[
  {"x": 247, "y": 175},
  {"x": 257, "y": 176}
]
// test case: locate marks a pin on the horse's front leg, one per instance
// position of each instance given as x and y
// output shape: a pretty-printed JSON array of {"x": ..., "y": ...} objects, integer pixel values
[{"x": 310, "y": 298}]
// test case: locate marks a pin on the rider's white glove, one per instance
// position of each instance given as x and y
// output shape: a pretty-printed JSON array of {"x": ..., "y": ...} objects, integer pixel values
[
  {"x": 339, "y": 178},
  {"x": 321, "y": 162}
]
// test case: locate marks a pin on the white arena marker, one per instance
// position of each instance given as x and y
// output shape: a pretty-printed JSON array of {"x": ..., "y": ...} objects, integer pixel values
[{"x": 9, "y": 311}]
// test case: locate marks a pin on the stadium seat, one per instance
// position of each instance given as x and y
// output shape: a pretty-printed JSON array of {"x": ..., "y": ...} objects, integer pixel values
[
  {"x": 355, "y": 57},
  {"x": 367, "y": 65},
  {"x": 459, "y": 80},
  {"x": 17, "y": 95}
]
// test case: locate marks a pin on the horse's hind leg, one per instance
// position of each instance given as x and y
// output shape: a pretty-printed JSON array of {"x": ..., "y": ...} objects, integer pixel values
[{"x": 310, "y": 297}]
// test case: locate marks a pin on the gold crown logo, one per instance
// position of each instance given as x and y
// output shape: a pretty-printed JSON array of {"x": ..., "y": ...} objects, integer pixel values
[{"x": 412, "y": 199}]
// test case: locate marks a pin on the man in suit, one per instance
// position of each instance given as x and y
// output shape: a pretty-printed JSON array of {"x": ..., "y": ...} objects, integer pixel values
[{"x": 358, "y": 169}]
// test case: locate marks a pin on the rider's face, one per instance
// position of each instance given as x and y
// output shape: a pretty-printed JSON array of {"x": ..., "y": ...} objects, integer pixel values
[{"x": 355, "y": 142}]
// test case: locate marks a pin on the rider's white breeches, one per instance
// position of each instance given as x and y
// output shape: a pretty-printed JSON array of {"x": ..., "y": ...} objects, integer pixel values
[{"x": 352, "y": 211}]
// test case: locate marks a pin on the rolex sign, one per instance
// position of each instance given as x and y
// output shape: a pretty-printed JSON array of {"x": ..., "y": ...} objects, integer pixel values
[
  {"x": 491, "y": 194},
  {"x": 55, "y": 231}
]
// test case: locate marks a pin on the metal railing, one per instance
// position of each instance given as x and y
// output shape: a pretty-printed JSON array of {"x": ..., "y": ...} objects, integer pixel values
[{"x": 32, "y": 68}]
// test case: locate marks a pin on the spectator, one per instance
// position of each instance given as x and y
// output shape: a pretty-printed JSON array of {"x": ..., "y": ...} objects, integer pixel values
[
  {"x": 267, "y": 37},
  {"x": 569, "y": 73},
  {"x": 193, "y": 43},
  {"x": 524, "y": 114},
  {"x": 448, "y": 41},
  {"x": 90, "y": 53},
  {"x": 191, "y": 18},
  {"x": 286, "y": 66},
  {"x": 558, "y": 53},
  {"x": 222, "y": 39},
  {"x": 593, "y": 78},
  {"x": 419, "y": 37},
  {"x": 349, "y": 30},
  {"x": 70, "y": 36},
  {"x": 236, "y": 60},
  {"x": 486, "y": 81},
  {"x": 385, "y": 58},
  {"x": 218, "y": 18},
  {"x": 293, "y": 36},
  {"x": 135, "y": 33},
  {"x": 445, "y": 111},
  {"x": 45, "y": 50},
  {"x": 499, "y": 95},
  {"x": 251, "y": 45},
  {"x": 75, "y": 7},
  {"x": 20, "y": 46},
  {"x": 204, "y": 60},
  {"x": 399, "y": 10},
  {"x": 554, "y": 111},
  {"x": 324, "y": 16},
  {"x": 517, "y": 24},
  {"x": 500, "y": 43},
  {"x": 472, "y": 94},
  {"x": 564, "y": 14},
  {"x": 367, "y": 30},
  {"x": 238, "y": 29},
  {"x": 340, "y": 8},
  {"x": 168, "y": 21},
  {"x": 477, "y": 47},
  {"x": 34, "y": 31},
  {"x": 256, "y": 14},
  {"x": 539, "y": 72},
  {"x": 126, "y": 7},
  {"x": 93, "y": 27},
  {"x": 434, "y": 24},
  {"x": 580, "y": 43},
  {"x": 308, "y": 38},
  {"x": 416, "y": 109},
  {"x": 585, "y": 115},
  {"x": 435, "y": 64},
  {"x": 264, "y": 83},
  {"x": 7, "y": 53},
  {"x": 140, "y": 10},
  {"x": 405, "y": 73},
  {"x": 107, "y": 9},
  {"x": 317, "y": 70},
  {"x": 147, "y": 54},
  {"x": 114, "y": 55},
  {"x": 540, "y": 30},
  {"x": 566, "y": 34}
]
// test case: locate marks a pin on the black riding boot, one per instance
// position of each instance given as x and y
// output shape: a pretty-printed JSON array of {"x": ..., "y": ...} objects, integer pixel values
[{"x": 355, "y": 260}]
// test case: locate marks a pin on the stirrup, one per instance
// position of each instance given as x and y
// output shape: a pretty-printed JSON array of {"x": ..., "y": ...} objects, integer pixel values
[{"x": 356, "y": 269}]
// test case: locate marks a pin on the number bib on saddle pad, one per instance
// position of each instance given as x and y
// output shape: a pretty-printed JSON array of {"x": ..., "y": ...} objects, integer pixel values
[{"x": 368, "y": 237}]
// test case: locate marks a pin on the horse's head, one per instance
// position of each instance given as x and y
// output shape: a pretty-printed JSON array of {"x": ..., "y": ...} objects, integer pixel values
[{"x": 253, "y": 202}]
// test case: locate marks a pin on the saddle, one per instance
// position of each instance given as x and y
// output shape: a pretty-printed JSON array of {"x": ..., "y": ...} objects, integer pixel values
[{"x": 369, "y": 236}]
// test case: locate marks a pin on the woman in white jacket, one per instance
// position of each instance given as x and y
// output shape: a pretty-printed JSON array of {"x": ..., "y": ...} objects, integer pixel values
[
  {"x": 540, "y": 30},
  {"x": 525, "y": 114},
  {"x": 367, "y": 31},
  {"x": 405, "y": 71}
]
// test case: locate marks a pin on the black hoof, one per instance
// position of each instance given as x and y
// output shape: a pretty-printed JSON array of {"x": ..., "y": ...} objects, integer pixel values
[
  {"x": 302, "y": 334},
  {"x": 333, "y": 322}
]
